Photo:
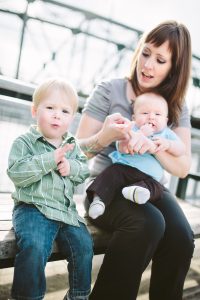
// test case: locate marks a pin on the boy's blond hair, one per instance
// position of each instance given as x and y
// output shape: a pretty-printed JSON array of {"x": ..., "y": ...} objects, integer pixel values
[{"x": 56, "y": 83}]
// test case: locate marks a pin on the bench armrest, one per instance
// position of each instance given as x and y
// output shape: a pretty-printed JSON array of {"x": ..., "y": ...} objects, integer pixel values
[{"x": 183, "y": 183}]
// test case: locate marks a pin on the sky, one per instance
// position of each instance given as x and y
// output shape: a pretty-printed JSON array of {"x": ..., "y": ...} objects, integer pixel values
[{"x": 143, "y": 14}]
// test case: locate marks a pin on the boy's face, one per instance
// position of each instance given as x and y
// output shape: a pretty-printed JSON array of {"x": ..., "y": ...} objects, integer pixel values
[
  {"x": 54, "y": 114},
  {"x": 151, "y": 110}
]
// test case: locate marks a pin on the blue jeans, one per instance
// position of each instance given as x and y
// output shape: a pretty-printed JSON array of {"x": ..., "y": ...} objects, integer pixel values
[{"x": 35, "y": 235}]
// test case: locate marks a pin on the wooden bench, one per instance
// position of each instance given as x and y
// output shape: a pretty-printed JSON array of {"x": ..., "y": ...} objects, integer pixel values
[
  {"x": 100, "y": 237},
  {"x": 8, "y": 247}
]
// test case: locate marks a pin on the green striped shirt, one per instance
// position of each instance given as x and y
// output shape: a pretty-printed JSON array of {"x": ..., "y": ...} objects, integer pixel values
[{"x": 32, "y": 168}]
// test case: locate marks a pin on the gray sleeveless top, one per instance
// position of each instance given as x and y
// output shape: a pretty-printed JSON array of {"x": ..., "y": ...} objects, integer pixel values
[{"x": 110, "y": 97}]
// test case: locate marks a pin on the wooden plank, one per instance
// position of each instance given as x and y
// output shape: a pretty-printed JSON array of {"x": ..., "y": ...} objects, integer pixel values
[
  {"x": 192, "y": 214},
  {"x": 8, "y": 247},
  {"x": 100, "y": 237},
  {"x": 7, "y": 237}
]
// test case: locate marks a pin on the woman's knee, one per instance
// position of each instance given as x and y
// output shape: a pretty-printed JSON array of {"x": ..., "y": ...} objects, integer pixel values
[
  {"x": 144, "y": 220},
  {"x": 155, "y": 224}
]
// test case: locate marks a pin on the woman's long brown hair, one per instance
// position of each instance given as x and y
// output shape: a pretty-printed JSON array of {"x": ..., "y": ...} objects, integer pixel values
[{"x": 174, "y": 87}]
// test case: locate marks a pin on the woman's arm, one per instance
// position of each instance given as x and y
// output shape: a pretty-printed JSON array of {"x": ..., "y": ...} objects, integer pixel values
[
  {"x": 94, "y": 135},
  {"x": 88, "y": 135},
  {"x": 178, "y": 166}
]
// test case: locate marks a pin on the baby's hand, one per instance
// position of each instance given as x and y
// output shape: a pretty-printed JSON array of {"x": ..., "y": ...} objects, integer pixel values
[
  {"x": 153, "y": 147},
  {"x": 147, "y": 129},
  {"x": 64, "y": 167},
  {"x": 162, "y": 144}
]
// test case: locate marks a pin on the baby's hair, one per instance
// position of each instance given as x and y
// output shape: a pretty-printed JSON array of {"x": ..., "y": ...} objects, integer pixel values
[
  {"x": 154, "y": 94},
  {"x": 56, "y": 83}
]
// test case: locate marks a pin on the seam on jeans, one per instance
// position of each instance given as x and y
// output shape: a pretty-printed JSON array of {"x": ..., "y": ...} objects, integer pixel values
[
  {"x": 52, "y": 241},
  {"x": 73, "y": 260},
  {"x": 78, "y": 293}
]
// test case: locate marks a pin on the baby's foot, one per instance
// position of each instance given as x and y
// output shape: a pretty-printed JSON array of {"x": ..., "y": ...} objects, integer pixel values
[
  {"x": 97, "y": 208},
  {"x": 136, "y": 194}
]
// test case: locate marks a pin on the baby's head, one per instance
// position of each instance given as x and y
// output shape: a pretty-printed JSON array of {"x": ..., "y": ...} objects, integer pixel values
[
  {"x": 55, "y": 102},
  {"x": 151, "y": 108}
]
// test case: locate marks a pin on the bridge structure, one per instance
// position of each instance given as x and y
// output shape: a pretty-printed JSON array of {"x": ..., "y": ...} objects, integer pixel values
[{"x": 47, "y": 37}]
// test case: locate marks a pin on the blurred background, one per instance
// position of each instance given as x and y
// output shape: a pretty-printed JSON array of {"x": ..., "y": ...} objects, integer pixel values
[{"x": 86, "y": 41}]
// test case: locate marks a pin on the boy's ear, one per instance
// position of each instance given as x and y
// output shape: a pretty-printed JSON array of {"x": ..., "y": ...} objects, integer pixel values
[
  {"x": 133, "y": 117},
  {"x": 33, "y": 111}
]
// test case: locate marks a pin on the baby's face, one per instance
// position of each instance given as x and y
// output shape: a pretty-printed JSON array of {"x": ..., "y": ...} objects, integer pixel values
[
  {"x": 153, "y": 111},
  {"x": 54, "y": 114}
]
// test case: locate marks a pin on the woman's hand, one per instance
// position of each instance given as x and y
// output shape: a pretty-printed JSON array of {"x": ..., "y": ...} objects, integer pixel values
[
  {"x": 115, "y": 127},
  {"x": 94, "y": 135},
  {"x": 123, "y": 146}
]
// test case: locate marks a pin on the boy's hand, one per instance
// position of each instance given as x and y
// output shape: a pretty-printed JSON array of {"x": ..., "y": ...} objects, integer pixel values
[
  {"x": 59, "y": 153},
  {"x": 64, "y": 167}
]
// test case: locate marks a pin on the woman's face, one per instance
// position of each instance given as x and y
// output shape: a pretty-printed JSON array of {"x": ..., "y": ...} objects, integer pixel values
[{"x": 153, "y": 65}]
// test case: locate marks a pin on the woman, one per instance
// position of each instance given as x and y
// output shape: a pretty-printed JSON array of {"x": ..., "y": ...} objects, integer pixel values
[{"x": 155, "y": 231}]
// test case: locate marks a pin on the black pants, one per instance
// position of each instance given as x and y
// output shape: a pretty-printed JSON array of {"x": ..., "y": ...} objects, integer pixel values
[
  {"x": 155, "y": 231},
  {"x": 113, "y": 179}
]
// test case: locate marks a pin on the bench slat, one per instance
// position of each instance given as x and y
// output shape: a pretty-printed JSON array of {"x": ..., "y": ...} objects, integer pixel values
[
  {"x": 8, "y": 247},
  {"x": 100, "y": 237}
]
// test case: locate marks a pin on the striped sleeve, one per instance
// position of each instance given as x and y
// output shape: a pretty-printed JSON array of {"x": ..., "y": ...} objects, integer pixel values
[{"x": 24, "y": 168}]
